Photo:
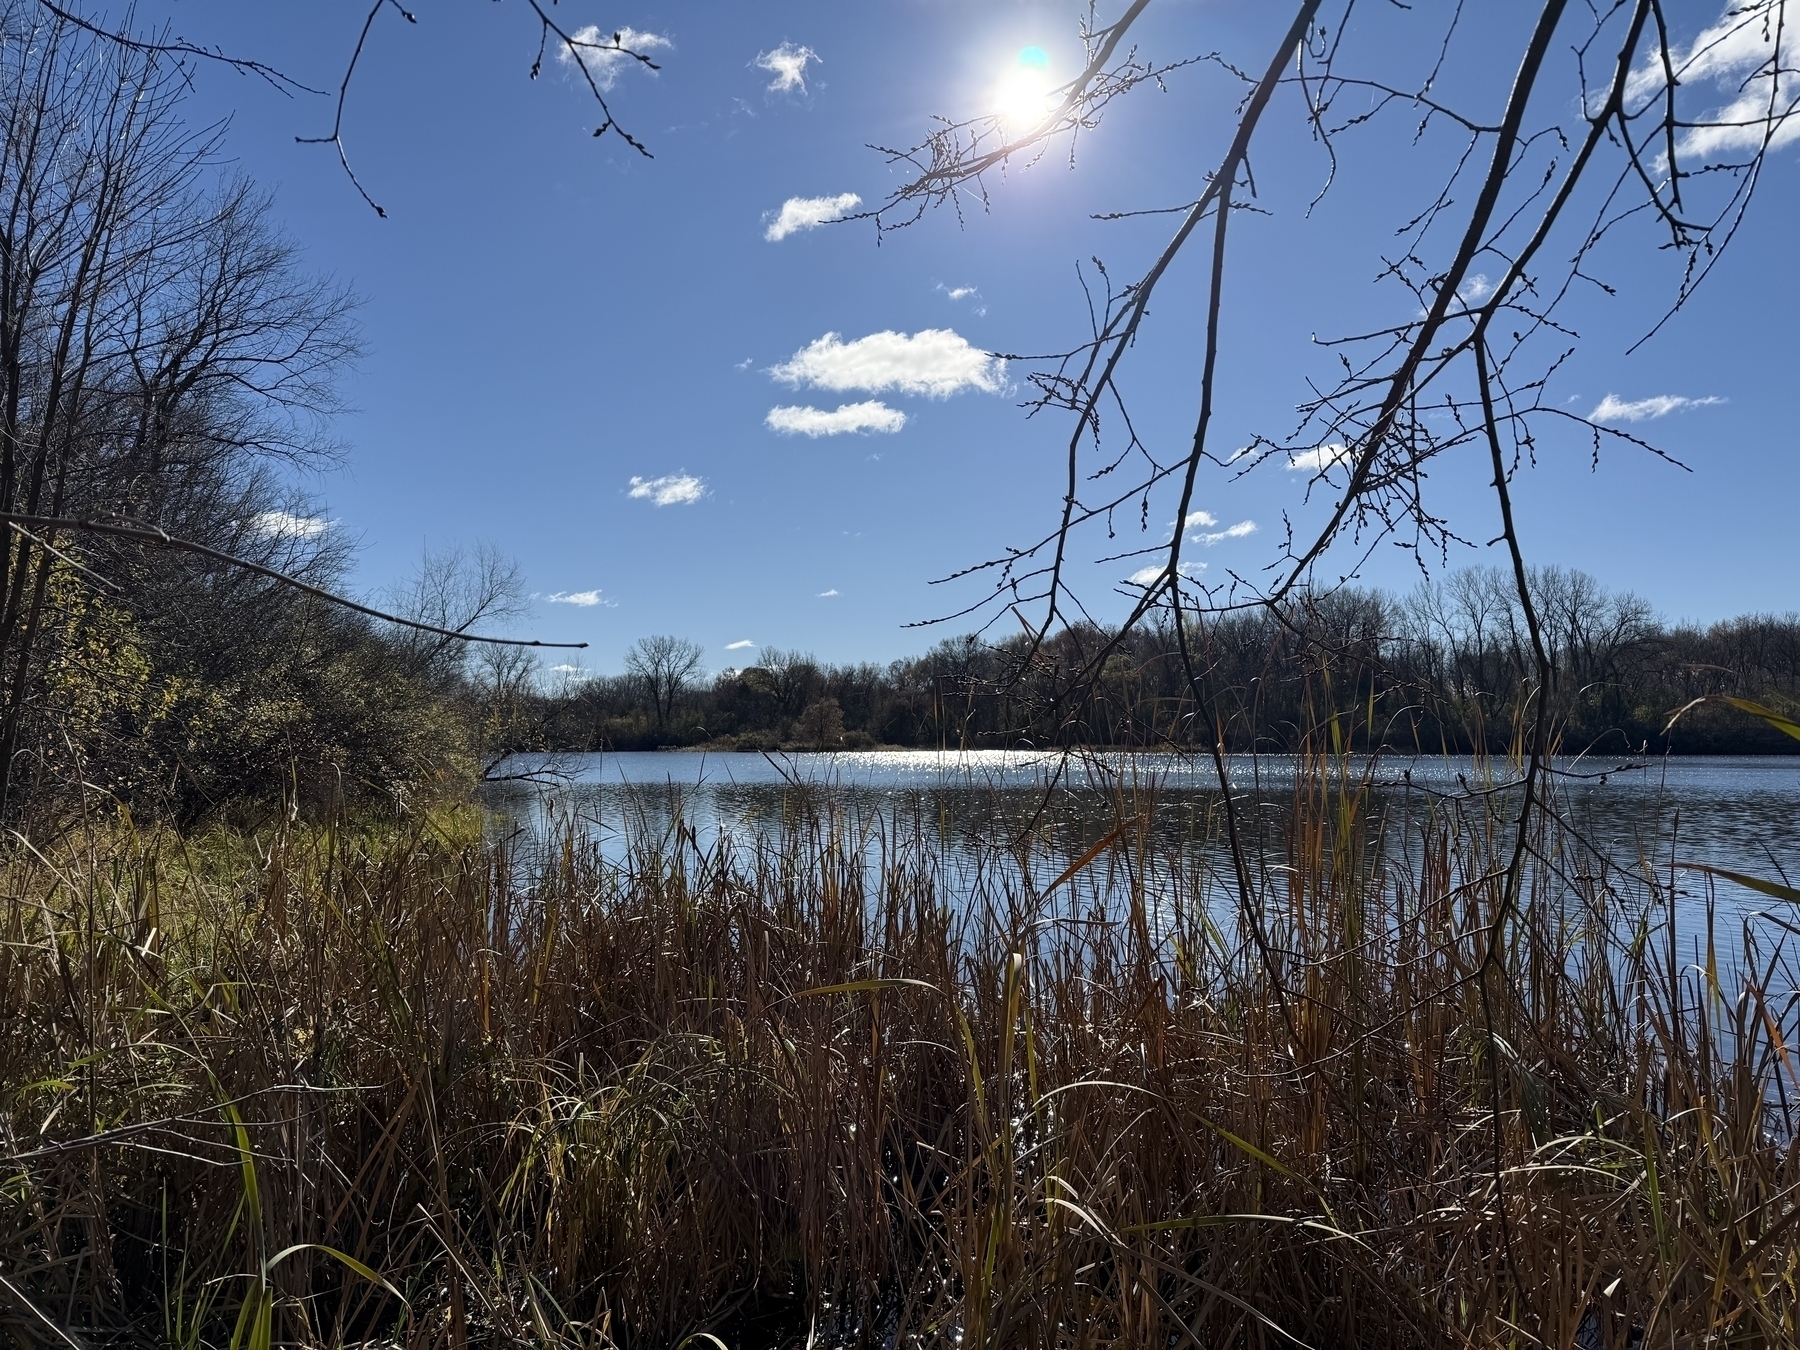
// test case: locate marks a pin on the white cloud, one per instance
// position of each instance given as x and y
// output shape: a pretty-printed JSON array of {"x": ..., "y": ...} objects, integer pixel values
[
  {"x": 1320, "y": 457},
  {"x": 787, "y": 63},
  {"x": 956, "y": 292},
  {"x": 1238, "y": 531},
  {"x": 1197, "y": 518},
  {"x": 826, "y": 595},
  {"x": 808, "y": 213},
  {"x": 1476, "y": 289},
  {"x": 742, "y": 644},
  {"x": 675, "y": 489},
  {"x": 1144, "y": 576},
  {"x": 580, "y": 599},
  {"x": 287, "y": 525},
  {"x": 934, "y": 361},
  {"x": 809, "y": 421},
  {"x": 606, "y": 54},
  {"x": 566, "y": 669},
  {"x": 1737, "y": 55},
  {"x": 1612, "y": 408}
]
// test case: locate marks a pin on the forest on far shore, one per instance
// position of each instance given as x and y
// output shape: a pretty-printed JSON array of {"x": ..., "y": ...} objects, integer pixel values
[{"x": 1446, "y": 667}]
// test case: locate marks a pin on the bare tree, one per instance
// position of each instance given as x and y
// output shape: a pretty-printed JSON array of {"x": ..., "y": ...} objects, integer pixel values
[
  {"x": 506, "y": 682},
  {"x": 123, "y": 325},
  {"x": 793, "y": 678},
  {"x": 452, "y": 591},
  {"x": 665, "y": 666}
]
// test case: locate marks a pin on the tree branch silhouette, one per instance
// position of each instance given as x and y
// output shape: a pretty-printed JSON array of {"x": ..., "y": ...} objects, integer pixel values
[{"x": 145, "y": 533}]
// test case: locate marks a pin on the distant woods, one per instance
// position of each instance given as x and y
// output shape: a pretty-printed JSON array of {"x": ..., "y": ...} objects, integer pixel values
[{"x": 1446, "y": 668}]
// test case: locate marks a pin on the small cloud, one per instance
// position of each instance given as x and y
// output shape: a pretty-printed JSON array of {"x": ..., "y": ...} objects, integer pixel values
[
  {"x": 808, "y": 213},
  {"x": 1145, "y": 576},
  {"x": 675, "y": 489},
  {"x": 1198, "y": 518},
  {"x": 287, "y": 525},
  {"x": 1476, "y": 289},
  {"x": 1237, "y": 531},
  {"x": 957, "y": 292},
  {"x": 566, "y": 669},
  {"x": 606, "y": 54},
  {"x": 871, "y": 416},
  {"x": 934, "y": 361},
  {"x": 1612, "y": 408},
  {"x": 1316, "y": 459},
  {"x": 742, "y": 644},
  {"x": 745, "y": 364},
  {"x": 787, "y": 63},
  {"x": 826, "y": 595},
  {"x": 1746, "y": 59},
  {"x": 580, "y": 599}
]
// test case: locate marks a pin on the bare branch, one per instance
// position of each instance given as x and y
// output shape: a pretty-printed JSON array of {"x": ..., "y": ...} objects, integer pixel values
[
  {"x": 282, "y": 83},
  {"x": 336, "y": 138},
  {"x": 150, "y": 534}
]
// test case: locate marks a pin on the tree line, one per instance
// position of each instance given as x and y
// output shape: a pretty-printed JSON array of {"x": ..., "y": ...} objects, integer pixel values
[{"x": 1447, "y": 667}]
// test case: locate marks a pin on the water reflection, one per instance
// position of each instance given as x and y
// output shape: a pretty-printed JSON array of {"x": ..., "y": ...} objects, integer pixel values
[{"x": 1046, "y": 809}]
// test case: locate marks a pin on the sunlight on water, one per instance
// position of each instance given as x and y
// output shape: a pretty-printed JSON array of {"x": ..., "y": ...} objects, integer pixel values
[{"x": 1739, "y": 813}]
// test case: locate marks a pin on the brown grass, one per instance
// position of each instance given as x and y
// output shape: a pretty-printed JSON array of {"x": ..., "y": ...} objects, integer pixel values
[{"x": 401, "y": 1085}]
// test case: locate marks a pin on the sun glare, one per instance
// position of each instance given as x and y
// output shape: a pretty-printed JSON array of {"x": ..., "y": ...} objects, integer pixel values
[{"x": 1023, "y": 96}]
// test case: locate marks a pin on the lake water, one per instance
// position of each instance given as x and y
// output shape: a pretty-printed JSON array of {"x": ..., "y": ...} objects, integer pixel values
[{"x": 1739, "y": 813}]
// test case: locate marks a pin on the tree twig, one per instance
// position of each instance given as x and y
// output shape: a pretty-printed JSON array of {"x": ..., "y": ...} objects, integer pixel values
[
  {"x": 282, "y": 82},
  {"x": 151, "y": 534}
]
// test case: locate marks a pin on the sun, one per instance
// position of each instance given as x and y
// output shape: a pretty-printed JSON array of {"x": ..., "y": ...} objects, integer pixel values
[{"x": 1023, "y": 95}]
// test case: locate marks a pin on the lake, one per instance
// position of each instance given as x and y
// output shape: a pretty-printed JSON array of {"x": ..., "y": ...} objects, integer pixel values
[{"x": 1742, "y": 814}]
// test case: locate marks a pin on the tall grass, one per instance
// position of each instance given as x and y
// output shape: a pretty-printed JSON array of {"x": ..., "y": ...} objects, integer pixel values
[{"x": 404, "y": 1085}]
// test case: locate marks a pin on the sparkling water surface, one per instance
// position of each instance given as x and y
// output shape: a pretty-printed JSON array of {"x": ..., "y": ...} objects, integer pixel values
[{"x": 1738, "y": 813}]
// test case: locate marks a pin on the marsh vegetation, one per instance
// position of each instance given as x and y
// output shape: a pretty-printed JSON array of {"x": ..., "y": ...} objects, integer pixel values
[{"x": 397, "y": 1083}]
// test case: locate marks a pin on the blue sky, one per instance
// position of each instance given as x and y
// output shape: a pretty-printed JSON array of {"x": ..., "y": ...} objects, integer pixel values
[{"x": 575, "y": 352}]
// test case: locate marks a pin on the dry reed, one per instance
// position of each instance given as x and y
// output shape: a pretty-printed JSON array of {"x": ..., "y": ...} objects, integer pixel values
[{"x": 404, "y": 1086}]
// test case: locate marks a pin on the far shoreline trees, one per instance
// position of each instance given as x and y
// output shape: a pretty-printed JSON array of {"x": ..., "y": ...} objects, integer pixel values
[{"x": 1446, "y": 668}]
